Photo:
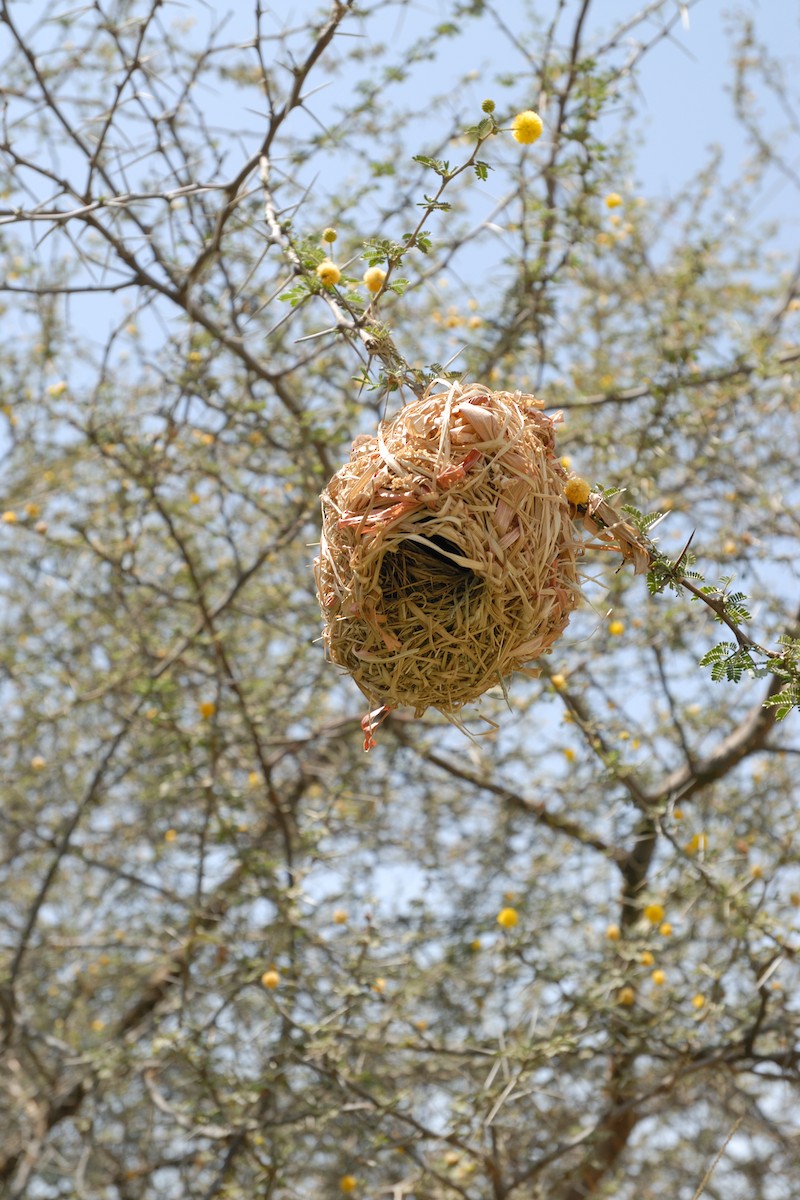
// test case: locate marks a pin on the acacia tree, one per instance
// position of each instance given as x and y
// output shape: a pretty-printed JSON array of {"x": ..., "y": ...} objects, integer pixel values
[{"x": 240, "y": 957}]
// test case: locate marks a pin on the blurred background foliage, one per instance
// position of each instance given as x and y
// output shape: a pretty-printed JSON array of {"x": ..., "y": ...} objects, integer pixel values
[{"x": 239, "y": 957}]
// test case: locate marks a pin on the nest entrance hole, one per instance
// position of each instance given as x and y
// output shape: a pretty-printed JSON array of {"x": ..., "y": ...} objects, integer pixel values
[{"x": 427, "y": 573}]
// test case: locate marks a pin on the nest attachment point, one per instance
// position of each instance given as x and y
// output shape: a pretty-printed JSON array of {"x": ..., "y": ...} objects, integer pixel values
[{"x": 449, "y": 551}]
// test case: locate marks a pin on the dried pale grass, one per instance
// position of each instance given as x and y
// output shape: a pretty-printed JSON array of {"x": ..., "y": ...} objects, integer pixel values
[{"x": 449, "y": 552}]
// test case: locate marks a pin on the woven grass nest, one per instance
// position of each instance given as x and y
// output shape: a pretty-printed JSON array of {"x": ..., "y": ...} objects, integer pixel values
[{"x": 449, "y": 551}]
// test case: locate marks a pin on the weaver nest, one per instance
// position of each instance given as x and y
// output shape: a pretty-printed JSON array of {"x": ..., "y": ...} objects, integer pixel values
[{"x": 449, "y": 551}]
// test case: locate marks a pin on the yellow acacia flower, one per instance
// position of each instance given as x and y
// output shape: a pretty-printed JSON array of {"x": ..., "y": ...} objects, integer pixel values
[
  {"x": 613, "y": 933},
  {"x": 698, "y": 842},
  {"x": 658, "y": 977},
  {"x": 329, "y": 273},
  {"x": 373, "y": 279},
  {"x": 347, "y": 1184},
  {"x": 654, "y": 913},
  {"x": 626, "y": 997},
  {"x": 271, "y": 979},
  {"x": 507, "y": 918},
  {"x": 616, "y": 628},
  {"x": 576, "y": 490},
  {"x": 527, "y": 127},
  {"x": 613, "y": 200},
  {"x": 329, "y": 235}
]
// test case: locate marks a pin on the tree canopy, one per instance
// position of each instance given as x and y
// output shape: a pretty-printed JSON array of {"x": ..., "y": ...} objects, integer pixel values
[{"x": 552, "y": 954}]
